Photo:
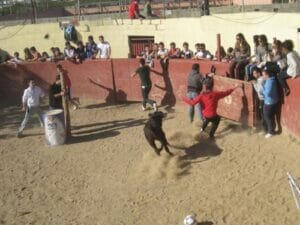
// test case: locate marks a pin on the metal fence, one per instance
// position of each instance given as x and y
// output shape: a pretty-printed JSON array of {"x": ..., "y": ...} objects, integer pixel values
[{"x": 36, "y": 11}]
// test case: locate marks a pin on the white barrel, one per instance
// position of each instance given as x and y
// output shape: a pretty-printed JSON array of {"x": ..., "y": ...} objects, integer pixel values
[{"x": 55, "y": 131}]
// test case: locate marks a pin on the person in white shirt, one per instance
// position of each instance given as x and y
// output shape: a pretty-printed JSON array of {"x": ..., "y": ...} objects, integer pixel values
[
  {"x": 31, "y": 104},
  {"x": 104, "y": 48},
  {"x": 293, "y": 68}
]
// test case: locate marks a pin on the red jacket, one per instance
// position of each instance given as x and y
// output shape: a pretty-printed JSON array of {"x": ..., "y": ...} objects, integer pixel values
[
  {"x": 209, "y": 102},
  {"x": 133, "y": 7}
]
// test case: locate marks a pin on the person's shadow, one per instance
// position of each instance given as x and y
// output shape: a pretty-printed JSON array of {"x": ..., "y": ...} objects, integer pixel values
[
  {"x": 112, "y": 97},
  {"x": 205, "y": 223},
  {"x": 245, "y": 111},
  {"x": 169, "y": 99}
]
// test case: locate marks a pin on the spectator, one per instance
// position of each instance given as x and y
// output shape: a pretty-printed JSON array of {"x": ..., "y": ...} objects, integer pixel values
[
  {"x": 262, "y": 55},
  {"x": 173, "y": 52},
  {"x": 241, "y": 57},
  {"x": 58, "y": 55},
  {"x": 229, "y": 54},
  {"x": 293, "y": 65},
  {"x": 45, "y": 57},
  {"x": 154, "y": 52},
  {"x": 27, "y": 55},
  {"x": 91, "y": 48},
  {"x": 201, "y": 52},
  {"x": 55, "y": 94},
  {"x": 147, "y": 55},
  {"x": 69, "y": 52},
  {"x": 186, "y": 53},
  {"x": 31, "y": 104},
  {"x": 16, "y": 59},
  {"x": 258, "y": 83},
  {"x": 271, "y": 99},
  {"x": 194, "y": 87},
  {"x": 162, "y": 51},
  {"x": 4, "y": 56},
  {"x": 133, "y": 11},
  {"x": 104, "y": 48},
  {"x": 80, "y": 53},
  {"x": 148, "y": 10},
  {"x": 35, "y": 54},
  {"x": 222, "y": 53}
]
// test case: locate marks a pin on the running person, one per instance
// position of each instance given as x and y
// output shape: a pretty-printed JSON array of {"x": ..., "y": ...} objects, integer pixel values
[{"x": 144, "y": 72}]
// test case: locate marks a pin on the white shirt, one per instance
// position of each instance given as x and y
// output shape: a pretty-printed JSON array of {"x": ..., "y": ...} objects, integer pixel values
[
  {"x": 293, "y": 62},
  {"x": 258, "y": 86},
  {"x": 104, "y": 50},
  {"x": 32, "y": 96}
]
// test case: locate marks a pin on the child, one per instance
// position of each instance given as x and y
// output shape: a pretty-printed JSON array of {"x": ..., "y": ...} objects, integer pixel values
[
  {"x": 144, "y": 72},
  {"x": 209, "y": 103},
  {"x": 258, "y": 83},
  {"x": 271, "y": 99}
]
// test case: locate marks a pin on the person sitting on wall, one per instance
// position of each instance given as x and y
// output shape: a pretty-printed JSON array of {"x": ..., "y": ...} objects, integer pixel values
[
  {"x": 186, "y": 53},
  {"x": 69, "y": 52},
  {"x": 229, "y": 55},
  {"x": 133, "y": 10},
  {"x": 241, "y": 57},
  {"x": 154, "y": 52},
  {"x": 55, "y": 94},
  {"x": 80, "y": 52},
  {"x": 36, "y": 55},
  {"x": 27, "y": 54},
  {"x": 163, "y": 56},
  {"x": 16, "y": 59},
  {"x": 45, "y": 57},
  {"x": 222, "y": 54},
  {"x": 91, "y": 48},
  {"x": 201, "y": 52},
  {"x": 58, "y": 55},
  {"x": 173, "y": 52},
  {"x": 293, "y": 65}
]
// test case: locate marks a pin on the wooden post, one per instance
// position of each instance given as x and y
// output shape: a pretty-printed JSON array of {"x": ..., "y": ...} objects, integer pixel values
[
  {"x": 65, "y": 107},
  {"x": 219, "y": 47}
]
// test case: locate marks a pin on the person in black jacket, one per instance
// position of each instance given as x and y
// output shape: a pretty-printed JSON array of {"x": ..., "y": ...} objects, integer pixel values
[
  {"x": 194, "y": 87},
  {"x": 55, "y": 94}
]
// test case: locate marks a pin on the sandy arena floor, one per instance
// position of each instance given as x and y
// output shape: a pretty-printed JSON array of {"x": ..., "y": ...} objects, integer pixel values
[{"x": 108, "y": 175}]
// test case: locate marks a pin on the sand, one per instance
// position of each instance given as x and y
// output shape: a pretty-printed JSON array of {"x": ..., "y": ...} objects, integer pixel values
[{"x": 108, "y": 174}]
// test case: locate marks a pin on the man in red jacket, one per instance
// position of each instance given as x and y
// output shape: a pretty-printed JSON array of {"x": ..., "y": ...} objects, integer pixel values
[{"x": 209, "y": 103}]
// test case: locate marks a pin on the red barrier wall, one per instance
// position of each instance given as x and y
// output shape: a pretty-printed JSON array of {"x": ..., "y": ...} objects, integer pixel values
[{"x": 110, "y": 80}]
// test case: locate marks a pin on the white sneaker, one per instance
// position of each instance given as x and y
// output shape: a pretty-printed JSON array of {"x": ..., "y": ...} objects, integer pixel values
[
  {"x": 154, "y": 107},
  {"x": 143, "y": 108},
  {"x": 268, "y": 135}
]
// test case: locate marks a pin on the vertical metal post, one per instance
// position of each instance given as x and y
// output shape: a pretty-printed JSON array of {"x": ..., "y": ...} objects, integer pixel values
[
  {"x": 243, "y": 5},
  {"x": 78, "y": 9},
  {"x": 219, "y": 47},
  {"x": 164, "y": 4}
]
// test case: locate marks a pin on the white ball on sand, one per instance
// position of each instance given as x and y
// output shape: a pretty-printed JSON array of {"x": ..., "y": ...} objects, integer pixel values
[{"x": 190, "y": 220}]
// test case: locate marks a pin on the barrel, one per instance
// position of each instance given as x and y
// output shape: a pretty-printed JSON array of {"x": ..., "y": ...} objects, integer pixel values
[{"x": 55, "y": 132}]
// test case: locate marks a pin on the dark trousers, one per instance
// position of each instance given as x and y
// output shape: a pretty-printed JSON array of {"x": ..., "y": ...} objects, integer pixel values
[
  {"x": 237, "y": 69},
  {"x": 261, "y": 114},
  {"x": 145, "y": 92},
  {"x": 215, "y": 123},
  {"x": 282, "y": 76},
  {"x": 269, "y": 117}
]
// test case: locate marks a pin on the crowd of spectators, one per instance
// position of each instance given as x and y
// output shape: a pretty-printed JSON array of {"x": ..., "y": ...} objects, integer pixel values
[{"x": 75, "y": 54}]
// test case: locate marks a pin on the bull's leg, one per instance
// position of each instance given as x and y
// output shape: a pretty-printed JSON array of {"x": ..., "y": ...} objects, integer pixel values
[
  {"x": 167, "y": 149},
  {"x": 153, "y": 145}
]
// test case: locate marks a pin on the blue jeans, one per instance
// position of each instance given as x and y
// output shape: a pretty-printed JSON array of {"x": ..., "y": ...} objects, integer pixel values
[
  {"x": 28, "y": 114},
  {"x": 191, "y": 96},
  {"x": 269, "y": 117},
  {"x": 248, "y": 71}
]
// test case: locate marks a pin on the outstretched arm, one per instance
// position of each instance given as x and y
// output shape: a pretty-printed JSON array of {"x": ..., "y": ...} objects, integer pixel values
[{"x": 193, "y": 101}]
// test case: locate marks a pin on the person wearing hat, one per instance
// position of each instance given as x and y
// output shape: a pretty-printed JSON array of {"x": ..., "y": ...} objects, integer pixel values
[
  {"x": 208, "y": 100},
  {"x": 271, "y": 98}
]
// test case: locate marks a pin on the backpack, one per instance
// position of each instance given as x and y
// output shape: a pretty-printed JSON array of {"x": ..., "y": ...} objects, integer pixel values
[{"x": 70, "y": 33}]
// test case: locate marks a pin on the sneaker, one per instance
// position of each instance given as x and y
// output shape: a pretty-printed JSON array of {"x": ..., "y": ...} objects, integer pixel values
[
  {"x": 75, "y": 107},
  {"x": 201, "y": 130},
  {"x": 154, "y": 107},
  {"x": 143, "y": 108},
  {"x": 268, "y": 135}
]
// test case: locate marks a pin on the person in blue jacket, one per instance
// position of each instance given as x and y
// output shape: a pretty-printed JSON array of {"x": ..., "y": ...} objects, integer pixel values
[{"x": 271, "y": 98}]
